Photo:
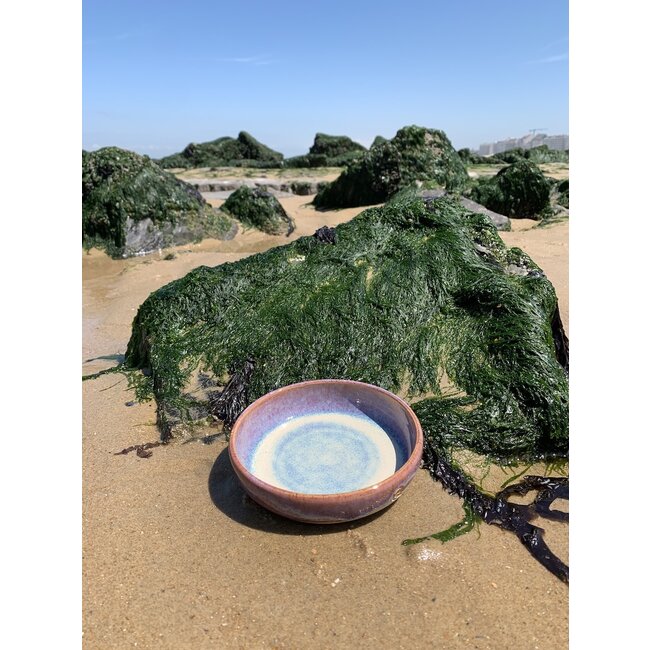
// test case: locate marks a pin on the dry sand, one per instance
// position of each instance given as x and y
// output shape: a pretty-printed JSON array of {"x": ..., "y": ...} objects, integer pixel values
[{"x": 176, "y": 556}]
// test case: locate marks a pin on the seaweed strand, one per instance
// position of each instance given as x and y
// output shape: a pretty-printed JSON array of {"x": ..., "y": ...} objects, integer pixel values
[{"x": 499, "y": 512}]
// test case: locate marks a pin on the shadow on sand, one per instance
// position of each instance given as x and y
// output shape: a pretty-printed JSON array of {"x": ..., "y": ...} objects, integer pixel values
[{"x": 229, "y": 496}]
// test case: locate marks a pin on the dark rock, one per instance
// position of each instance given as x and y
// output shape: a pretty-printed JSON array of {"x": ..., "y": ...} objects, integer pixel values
[
  {"x": 326, "y": 235},
  {"x": 303, "y": 188}
]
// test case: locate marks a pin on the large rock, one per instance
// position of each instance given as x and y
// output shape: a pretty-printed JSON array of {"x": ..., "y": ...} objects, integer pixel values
[
  {"x": 415, "y": 154},
  {"x": 130, "y": 206},
  {"x": 519, "y": 190},
  {"x": 243, "y": 151},
  {"x": 258, "y": 208},
  {"x": 401, "y": 296}
]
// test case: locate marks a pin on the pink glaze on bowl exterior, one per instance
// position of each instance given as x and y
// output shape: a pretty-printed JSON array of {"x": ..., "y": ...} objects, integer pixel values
[{"x": 324, "y": 396}]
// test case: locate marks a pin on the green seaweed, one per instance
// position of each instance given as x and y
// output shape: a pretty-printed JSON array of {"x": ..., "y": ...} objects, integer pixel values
[
  {"x": 257, "y": 208},
  {"x": 121, "y": 189},
  {"x": 537, "y": 155},
  {"x": 562, "y": 189},
  {"x": 328, "y": 151},
  {"x": 470, "y": 158},
  {"x": 242, "y": 151},
  {"x": 470, "y": 521},
  {"x": 400, "y": 297},
  {"x": 519, "y": 190},
  {"x": 408, "y": 293},
  {"x": 414, "y": 155}
]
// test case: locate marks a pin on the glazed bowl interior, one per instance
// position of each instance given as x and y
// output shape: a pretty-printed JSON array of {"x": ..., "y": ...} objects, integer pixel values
[{"x": 297, "y": 440}]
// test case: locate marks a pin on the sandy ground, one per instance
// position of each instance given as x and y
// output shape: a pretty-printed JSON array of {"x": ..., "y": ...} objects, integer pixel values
[
  {"x": 176, "y": 556},
  {"x": 559, "y": 171}
]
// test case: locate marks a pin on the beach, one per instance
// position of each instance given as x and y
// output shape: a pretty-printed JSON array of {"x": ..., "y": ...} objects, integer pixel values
[{"x": 176, "y": 556}]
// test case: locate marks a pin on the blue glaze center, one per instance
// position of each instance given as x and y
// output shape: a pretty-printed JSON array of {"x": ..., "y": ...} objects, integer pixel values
[{"x": 325, "y": 453}]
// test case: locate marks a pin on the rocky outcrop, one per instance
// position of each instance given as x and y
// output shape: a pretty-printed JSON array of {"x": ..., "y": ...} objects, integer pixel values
[
  {"x": 257, "y": 208},
  {"x": 328, "y": 151},
  {"x": 243, "y": 151},
  {"x": 415, "y": 154},
  {"x": 518, "y": 191},
  {"x": 130, "y": 206},
  {"x": 400, "y": 296}
]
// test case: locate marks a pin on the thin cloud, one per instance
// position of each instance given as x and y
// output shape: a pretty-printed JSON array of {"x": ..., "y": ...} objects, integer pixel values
[
  {"x": 554, "y": 44},
  {"x": 551, "y": 59},
  {"x": 262, "y": 59}
]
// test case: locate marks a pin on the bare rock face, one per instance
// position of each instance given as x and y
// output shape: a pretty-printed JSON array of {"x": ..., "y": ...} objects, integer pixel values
[{"x": 500, "y": 221}]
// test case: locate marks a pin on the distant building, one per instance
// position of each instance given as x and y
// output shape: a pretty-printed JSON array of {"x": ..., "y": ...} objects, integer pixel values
[
  {"x": 529, "y": 141},
  {"x": 486, "y": 149},
  {"x": 559, "y": 142}
]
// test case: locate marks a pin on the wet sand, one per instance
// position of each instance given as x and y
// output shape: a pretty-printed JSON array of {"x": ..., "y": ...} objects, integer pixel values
[{"x": 176, "y": 556}]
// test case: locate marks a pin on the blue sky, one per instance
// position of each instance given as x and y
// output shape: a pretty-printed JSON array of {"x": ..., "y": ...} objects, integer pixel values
[{"x": 158, "y": 75}]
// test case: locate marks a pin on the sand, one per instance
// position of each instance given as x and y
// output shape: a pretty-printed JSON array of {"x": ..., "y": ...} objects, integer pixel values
[{"x": 176, "y": 556}]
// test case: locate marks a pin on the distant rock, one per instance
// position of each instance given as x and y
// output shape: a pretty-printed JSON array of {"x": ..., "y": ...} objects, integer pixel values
[
  {"x": 243, "y": 151},
  {"x": 258, "y": 208},
  {"x": 415, "y": 154},
  {"x": 560, "y": 194},
  {"x": 328, "y": 151},
  {"x": 216, "y": 188},
  {"x": 537, "y": 155},
  {"x": 130, "y": 206},
  {"x": 470, "y": 158},
  {"x": 518, "y": 191}
]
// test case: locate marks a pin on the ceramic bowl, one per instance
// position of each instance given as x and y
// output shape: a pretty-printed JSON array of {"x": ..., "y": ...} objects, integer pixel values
[{"x": 326, "y": 451}]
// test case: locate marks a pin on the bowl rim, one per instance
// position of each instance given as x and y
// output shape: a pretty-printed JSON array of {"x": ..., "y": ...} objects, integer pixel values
[{"x": 403, "y": 473}]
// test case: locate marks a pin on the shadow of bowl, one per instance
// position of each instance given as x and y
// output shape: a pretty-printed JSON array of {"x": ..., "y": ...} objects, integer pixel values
[{"x": 229, "y": 497}]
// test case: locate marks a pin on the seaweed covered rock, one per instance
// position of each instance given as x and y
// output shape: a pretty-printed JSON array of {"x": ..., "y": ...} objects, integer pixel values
[
  {"x": 257, "y": 208},
  {"x": 131, "y": 206},
  {"x": 339, "y": 150},
  {"x": 328, "y": 151},
  {"x": 561, "y": 194},
  {"x": 401, "y": 296},
  {"x": 537, "y": 155},
  {"x": 470, "y": 158},
  {"x": 519, "y": 190},
  {"x": 415, "y": 154},
  {"x": 243, "y": 151}
]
